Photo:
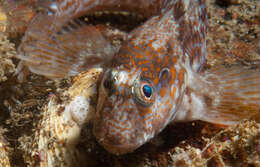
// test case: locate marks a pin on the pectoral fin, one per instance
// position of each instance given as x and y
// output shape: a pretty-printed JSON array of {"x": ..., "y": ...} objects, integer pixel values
[
  {"x": 222, "y": 95},
  {"x": 75, "y": 48}
]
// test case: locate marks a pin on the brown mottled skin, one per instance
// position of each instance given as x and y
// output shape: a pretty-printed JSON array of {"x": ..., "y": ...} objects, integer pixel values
[
  {"x": 144, "y": 87},
  {"x": 154, "y": 54}
]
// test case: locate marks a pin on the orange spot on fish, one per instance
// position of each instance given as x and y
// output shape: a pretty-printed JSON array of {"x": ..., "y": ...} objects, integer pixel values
[
  {"x": 181, "y": 75},
  {"x": 146, "y": 69},
  {"x": 173, "y": 73},
  {"x": 167, "y": 102},
  {"x": 147, "y": 52},
  {"x": 158, "y": 69},
  {"x": 173, "y": 92},
  {"x": 162, "y": 92},
  {"x": 156, "y": 80}
]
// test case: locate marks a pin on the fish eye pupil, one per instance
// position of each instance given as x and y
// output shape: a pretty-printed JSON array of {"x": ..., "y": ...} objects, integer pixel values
[{"x": 147, "y": 90}]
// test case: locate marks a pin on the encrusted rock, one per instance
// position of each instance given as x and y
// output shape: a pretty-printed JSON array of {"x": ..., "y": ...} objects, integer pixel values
[
  {"x": 235, "y": 146},
  {"x": 7, "y": 51},
  {"x": 63, "y": 118},
  {"x": 15, "y": 16},
  {"x": 234, "y": 33},
  {"x": 4, "y": 159}
]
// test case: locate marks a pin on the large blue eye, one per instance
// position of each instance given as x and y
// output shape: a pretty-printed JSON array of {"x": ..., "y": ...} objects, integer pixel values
[
  {"x": 147, "y": 91},
  {"x": 144, "y": 93}
]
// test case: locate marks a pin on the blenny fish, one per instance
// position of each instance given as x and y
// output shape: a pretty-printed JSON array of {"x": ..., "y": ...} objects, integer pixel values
[{"x": 155, "y": 78}]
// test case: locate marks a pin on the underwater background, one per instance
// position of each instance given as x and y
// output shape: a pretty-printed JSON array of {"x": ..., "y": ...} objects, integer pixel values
[{"x": 28, "y": 110}]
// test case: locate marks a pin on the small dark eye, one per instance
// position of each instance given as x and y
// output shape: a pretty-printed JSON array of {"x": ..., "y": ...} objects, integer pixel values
[{"x": 147, "y": 91}]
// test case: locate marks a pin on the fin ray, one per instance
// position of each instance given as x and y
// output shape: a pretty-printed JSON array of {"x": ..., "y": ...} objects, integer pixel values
[
  {"x": 214, "y": 98},
  {"x": 68, "y": 53},
  {"x": 238, "y": 94}
]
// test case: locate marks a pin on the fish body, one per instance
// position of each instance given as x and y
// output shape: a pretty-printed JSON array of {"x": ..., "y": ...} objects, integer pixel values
[
  {"x": 157, "y": 56},
  {"x": 155, "y": 78}
]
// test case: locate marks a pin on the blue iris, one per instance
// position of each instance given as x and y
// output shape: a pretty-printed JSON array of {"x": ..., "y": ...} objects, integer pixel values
[{"x": 147, "y": 90}]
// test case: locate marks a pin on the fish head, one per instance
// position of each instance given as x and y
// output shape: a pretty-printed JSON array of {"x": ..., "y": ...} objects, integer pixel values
[
  {"x": 141, "y": 92},
  {"x": 135, "y": 104}
]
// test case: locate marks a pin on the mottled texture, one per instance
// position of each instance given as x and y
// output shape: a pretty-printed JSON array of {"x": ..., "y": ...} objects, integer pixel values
[
  {"x": 158, "y": 54},
  {"x": 235, "y": 146},
  {"x": 4, "y": 157},
  {"x": 7, "y": 51},
  {"x": 17, "y": 16},
  {"x": 68, "y": 46},
  {"x": 23, "y": 118},
  {"x": 174, "y": 36},
  {"x": 63, "y": 121},
  {"x": 155, "y": 78},
  {"x": 234, "y": 28}
]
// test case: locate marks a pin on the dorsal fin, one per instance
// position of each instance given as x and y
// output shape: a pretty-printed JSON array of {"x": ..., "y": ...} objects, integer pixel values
[{"x": 191, "y": 15}]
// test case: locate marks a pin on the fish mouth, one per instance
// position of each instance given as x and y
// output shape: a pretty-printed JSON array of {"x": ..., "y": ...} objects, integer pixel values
[{"x": 118, "y": 149}]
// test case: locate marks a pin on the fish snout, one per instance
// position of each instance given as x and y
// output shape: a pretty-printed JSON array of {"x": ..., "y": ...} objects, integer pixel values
[{"x": 115, "y": 132}]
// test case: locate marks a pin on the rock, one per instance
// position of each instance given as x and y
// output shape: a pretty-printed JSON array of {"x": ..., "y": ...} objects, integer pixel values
[
  {"x": 62, "y": 121},
  {"x": 234, "y": 146},
  {"x": 7, "y": 51}
]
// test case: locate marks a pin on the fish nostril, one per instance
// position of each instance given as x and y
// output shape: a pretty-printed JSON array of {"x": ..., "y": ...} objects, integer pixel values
[
  {"x": 107, "y": 83},
  {"x": 108, "y": 80}
]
